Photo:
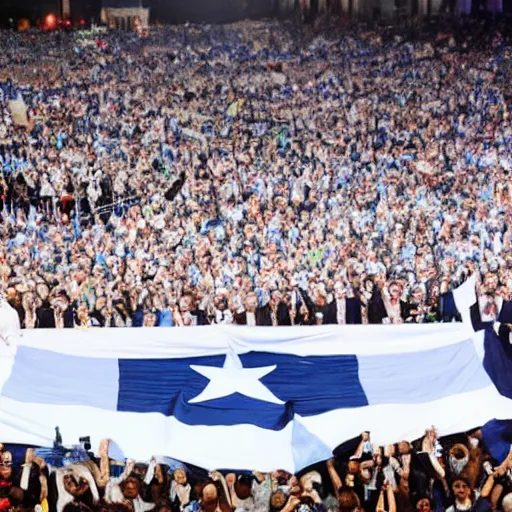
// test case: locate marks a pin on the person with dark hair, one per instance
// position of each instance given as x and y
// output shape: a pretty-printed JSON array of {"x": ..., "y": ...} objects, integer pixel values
[
  {"x": 424, "y": 505},
  {"x": 65, "y": 311},
  {"x": 131, "y": 489},
  {"x": 398, "y": 311},
  {"x": 464, "y": 498},
  {"x": 376, "y": 309},
  {"x": 348, "y": 501},
  {"x": 75, "y": 484},
  {"x": 6, "y": 481},
  {"x": 114, "y": 507},
  {"x": 45, "y": 314},
  {"x": 253, "y": 315},
  {"x": 77, "y": 507},
  {"x": 350, "y": 491},
  {"x": 30, "y": 481},
  {"x": 188, "y": 314},
  {"x": 277, "y": 501},
  {"x": 159, "y": 489},
  {"x": 321, "y": 311},
  {"x": 20, "y": 194},
  {"x": 181, "y": 493}
]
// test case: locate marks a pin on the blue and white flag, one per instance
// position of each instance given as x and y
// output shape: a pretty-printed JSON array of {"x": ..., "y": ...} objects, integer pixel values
[{"x": 245, "y": 398}]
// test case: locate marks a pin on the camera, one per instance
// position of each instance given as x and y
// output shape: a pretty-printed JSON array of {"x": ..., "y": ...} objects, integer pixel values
[{"x": 86, "y": 441}]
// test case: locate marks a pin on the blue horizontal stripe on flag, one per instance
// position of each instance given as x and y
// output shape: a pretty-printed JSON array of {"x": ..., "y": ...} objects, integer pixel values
[
  {"x": 166, "y": 385},
  {"x": 307, "y": 385},
  {"x": 314, "y": 384},
  {"x": 45, "y": 377}
]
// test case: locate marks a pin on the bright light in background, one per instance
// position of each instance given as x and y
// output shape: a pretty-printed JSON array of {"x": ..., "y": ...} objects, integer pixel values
[
  {"x": 50, "y": 22},
  {"x": 23, "y": 25}
]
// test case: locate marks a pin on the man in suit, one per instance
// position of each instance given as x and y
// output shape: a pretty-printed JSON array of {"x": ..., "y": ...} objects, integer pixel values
[
  {"x": 29, "y": 480},
  {"x": 280, "y": 308},
  {"x": 188, "y": 314},
  {"x": 45, "y": 316},
  {"x": 252, "y": 314},
  {"x": 320, "y": 310},
  {"x": 221, "y": 314}
]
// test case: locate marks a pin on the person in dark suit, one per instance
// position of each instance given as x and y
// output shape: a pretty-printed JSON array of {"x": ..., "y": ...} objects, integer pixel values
[
  {"x": 29, "y": 480},
  {"x": 446, "y": 309},
  {"x": 398, "y": 311},
  {"x": 68, "y": 311},
  {"x": 280, "y": 309},
  {"x": 252, "y": 314},
  {"x": 376, "y": 308},
  {"x": 291, "y": 308},
  {"x": 320, "y": 311},
  {"x": 45, "y": 316},
  {"x": 188, "y": 314}
]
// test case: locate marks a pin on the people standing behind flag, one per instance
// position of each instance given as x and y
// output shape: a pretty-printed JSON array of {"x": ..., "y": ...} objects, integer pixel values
[
  {"x": 250, "y": 314},
  {"x": 343, "y": 304},
  {"x": 398, "y": 311},
  {"x": 246, "y": 163},
  {"x": 188, "y": 314},
  {"x": 221, "y": 313}
]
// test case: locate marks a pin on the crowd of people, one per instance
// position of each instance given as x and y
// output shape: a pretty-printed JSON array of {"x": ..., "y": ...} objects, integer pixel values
[
  {"x": 257, "y": 175},
  {"x": 449, "y": 474}
]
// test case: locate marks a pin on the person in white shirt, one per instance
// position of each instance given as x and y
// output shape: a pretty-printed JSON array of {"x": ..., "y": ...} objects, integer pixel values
[
  {"x": 9, "y": 321},
  {"x": 252, "y": 315},
  {"x": 221, "y": 313}
]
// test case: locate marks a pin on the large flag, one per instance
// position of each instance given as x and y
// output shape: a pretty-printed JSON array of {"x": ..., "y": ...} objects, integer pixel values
[{"x": 245, "y": 398}]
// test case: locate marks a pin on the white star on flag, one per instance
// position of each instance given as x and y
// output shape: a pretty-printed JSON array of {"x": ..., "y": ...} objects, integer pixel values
[{"x": 234, "y": 378}]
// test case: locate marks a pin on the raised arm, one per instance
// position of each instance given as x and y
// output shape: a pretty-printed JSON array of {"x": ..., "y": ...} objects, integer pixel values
[
  {"x": 496, "y": 495},
  {"x": 103, "y": 475},
  {"x": 365, "y": 438},
  {"x": 380, "y": 502},
  {"x": 150, "y": 473},
  {"x": 388, "y": 490},
  {"x": 130, "y": 464},
  {"x": 335, "y": 478},
  {"x": 231, "y": 494},
  {"x": 391, "y": 498},
  {"x": 488, "y": 486},
  {"x": 428, "y": 446},
  {"x": 218, "y": 477},
  {"x": 475, "y": 462}
]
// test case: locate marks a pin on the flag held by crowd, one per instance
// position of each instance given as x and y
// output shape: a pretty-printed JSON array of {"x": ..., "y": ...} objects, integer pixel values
[{"x": 247, "y": 398}]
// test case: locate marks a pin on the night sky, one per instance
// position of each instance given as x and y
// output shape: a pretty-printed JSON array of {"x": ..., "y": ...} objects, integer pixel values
[{"x": 163, "y": 10}]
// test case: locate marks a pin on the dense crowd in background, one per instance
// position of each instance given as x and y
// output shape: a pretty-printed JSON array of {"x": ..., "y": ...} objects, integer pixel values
[
  {"x": 448, "y": 474},
  {"x": 255, "y": 174}
]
